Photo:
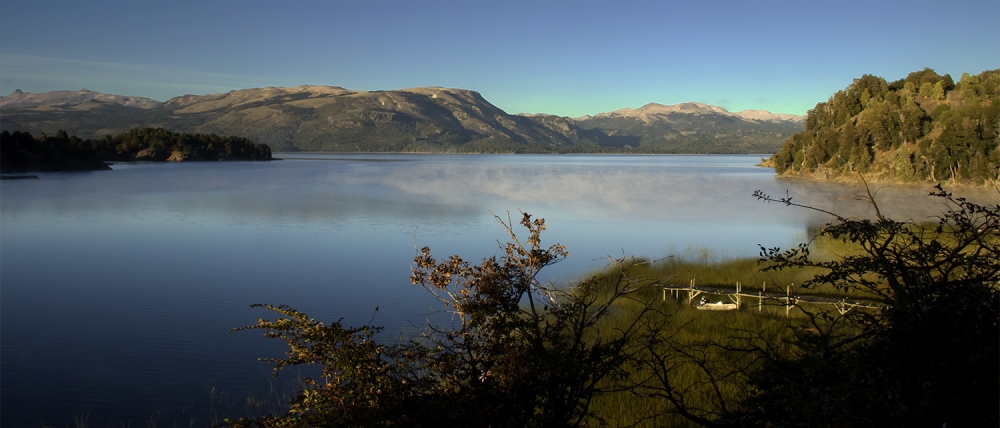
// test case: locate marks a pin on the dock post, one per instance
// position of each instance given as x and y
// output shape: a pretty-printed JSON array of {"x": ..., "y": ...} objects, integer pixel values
[
  {"x": 788, "y": 300},
  {"x": 739, "y": 290}
]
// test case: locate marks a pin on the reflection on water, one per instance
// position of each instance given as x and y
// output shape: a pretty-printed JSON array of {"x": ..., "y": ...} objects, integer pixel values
[{"x": 118, "y": 287}]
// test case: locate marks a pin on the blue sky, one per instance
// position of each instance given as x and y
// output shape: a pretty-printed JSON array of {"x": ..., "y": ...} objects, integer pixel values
[{"x": 561, "y": 57}]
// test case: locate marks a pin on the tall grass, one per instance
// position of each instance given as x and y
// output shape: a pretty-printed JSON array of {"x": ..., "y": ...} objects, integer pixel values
[
  {"x": 694, "y": 336},
  {"x": 697, "y": 338},
  {"x": 707, "y": 269}
]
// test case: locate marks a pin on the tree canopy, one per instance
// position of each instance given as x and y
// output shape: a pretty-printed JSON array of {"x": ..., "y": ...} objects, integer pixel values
[{"x": 924, "y": 128}]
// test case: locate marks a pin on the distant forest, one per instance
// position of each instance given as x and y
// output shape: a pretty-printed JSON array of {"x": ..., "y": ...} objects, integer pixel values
[
  {"x": 924, "y": 128},
  {"x": 23, "y": 152}
]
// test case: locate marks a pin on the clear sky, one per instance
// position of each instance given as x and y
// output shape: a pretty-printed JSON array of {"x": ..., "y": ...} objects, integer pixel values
[{"x": 561, "y": 57}]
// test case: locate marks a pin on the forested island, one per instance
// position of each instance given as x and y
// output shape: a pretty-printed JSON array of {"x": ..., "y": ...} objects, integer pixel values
[
  {"x": 923, "y": 128},
  {"x": 22, "y": 152}
]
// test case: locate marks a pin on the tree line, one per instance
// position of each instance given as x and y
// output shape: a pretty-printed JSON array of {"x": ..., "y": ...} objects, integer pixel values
[
  {"x": 23, "y": 152},
  {"x": 923, "y": 128},
  {"x": 155, "y": 143}
]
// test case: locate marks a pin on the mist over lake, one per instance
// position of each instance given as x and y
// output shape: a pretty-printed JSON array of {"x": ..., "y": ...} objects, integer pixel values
[{"x": 117, "y": 288}]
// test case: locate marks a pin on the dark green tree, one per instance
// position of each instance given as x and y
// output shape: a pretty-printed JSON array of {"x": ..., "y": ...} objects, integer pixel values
[{"x": 929, "y": 355}]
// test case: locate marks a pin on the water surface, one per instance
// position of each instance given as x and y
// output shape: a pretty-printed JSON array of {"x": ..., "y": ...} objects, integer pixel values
[{"x": 117, "y": 288}]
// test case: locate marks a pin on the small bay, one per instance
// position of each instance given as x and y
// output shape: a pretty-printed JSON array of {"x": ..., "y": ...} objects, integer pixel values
[{"x": 117, "y": 288}]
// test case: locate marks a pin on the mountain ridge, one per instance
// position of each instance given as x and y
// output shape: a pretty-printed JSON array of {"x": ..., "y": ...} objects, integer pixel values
[
  {"x": 19, "y": 99},
  {"x": 420, "y": 119}
]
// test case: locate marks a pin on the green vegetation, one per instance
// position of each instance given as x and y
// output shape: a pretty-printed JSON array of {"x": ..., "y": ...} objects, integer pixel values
[
  {"x": 162, "y": 145},
  {"x": 924, "y": 128},
  {"x": 930, "y": 355},
  {"x": 613, "y": 351},
  {"x": 22, "y": 152}
]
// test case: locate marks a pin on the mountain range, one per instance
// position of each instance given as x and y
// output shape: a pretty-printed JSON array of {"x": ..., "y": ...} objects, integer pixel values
[{"x": 425, "y": 119}]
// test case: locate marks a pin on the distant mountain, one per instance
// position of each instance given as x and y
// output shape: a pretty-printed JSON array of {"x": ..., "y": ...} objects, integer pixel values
[
  {"x": 764, "y": 115},
  {"x": 658, "y": 112},
  {"x": 83, "y": 98},
  {"x": 426, "y": 119},
  {"x": 693, "y": 128}
]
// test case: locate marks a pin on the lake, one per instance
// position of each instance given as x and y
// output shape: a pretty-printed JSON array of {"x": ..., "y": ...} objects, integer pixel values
[{"x": 117, "y": 288}]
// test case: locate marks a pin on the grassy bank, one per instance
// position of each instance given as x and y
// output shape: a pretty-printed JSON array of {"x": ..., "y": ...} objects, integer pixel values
[{"x": 701, "y": 350}]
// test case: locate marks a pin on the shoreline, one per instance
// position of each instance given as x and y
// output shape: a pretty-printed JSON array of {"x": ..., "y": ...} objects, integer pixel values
[{"x": 841, "y": 179}]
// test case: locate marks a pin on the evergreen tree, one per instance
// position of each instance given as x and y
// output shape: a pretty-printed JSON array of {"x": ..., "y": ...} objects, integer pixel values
[{"x": 851, "y": 131}]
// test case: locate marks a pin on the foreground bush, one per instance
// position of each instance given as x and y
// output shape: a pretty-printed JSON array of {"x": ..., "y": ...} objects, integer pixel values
[
  {"x": 522, "y": 354},
  {"x": 928, "y": 356}
]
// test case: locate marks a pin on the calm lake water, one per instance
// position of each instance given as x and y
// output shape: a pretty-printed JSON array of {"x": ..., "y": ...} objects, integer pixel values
[{"x": 117, "y": 288}]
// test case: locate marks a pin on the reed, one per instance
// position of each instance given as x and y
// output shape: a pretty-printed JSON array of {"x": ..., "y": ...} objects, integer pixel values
[{"x": 699, "y": 333}]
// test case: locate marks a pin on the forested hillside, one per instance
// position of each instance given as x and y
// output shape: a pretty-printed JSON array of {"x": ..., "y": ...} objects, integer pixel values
[{"x": 924, "y": 128}]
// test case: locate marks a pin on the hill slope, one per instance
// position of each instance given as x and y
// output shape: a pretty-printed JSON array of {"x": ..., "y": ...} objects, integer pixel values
[
  {"x": 923, "y": 128},
  {"x": 427, "y": 119}
]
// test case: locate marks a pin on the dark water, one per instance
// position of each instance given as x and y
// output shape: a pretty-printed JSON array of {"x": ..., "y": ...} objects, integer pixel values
[{"x": 117, "y": 288}]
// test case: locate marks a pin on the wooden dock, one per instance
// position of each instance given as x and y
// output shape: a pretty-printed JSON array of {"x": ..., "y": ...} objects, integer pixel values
[{"x": 737, "y": 295}]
